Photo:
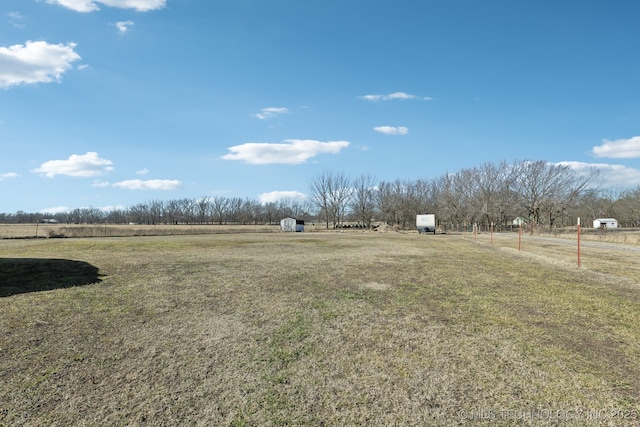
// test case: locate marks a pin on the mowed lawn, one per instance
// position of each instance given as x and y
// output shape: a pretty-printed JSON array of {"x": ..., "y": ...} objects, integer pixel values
[{"x": 319, "y": 329}]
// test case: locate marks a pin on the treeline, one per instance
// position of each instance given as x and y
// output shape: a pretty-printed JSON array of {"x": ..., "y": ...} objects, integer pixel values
[
  {"x": 204, "y": 210},
  {"x": 536, "y": 192}
]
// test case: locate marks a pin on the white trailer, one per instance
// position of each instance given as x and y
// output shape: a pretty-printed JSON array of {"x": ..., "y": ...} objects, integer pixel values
[
  {"x": 605, "y": 223},
  {"x": 426, "y": 223}
]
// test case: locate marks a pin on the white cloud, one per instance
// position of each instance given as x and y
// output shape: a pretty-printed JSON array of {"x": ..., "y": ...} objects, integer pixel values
[
  {"x": 152, "y": 184},
  {"x": 392, "y": 96},
  {"x": 614, "y": 175},
  {"x": 8, "y": 175},
  {"x": 392, "y": 130},
  {"x": 112, "y": 208},
  {"x": 143, "y": 171},
  {"x": 66, "y": 209},
  {"x": 56, "y": 210},
  {"x": 269, "y": 112},
  {"x": 293, "y": 152},
  {"x": 35, "y": 62},
  {"x": 84, "y": 165},
  {"x": 618, "y": 149},
  {"x": 15, "y": 19},
  {"x": 92, "y": 5},
  {"x": 276, "y": 196},
  {"x": 100, "y": 184},
  {"x": 123, "y": 26}
]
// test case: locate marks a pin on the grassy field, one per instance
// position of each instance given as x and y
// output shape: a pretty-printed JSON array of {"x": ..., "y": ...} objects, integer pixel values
[
  {"x": 320, "y": 329},
  {"x": 19, "y": 231}
]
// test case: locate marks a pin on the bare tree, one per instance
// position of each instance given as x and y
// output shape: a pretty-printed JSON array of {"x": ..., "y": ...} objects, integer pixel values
[
  {"x": 250, "y": 211},
  {"x": 448, "y": 200},
  {"x": 363, "y": 202},
  {"x": 548, "y": 188},
  {"x": 628, "y": 208},
  {"x": 340, "y": 197},
  {"x": 420, "y": 197},
  {"x": 487, "y": 191},
  {"x": 219, "y": 207},
  {"x": 188, "y": 209},
  {"x": 173, "y": 212},
  {"x": 330, "y": 194},
  {"x": 395, "y": 202},
  {"x": 234, "y": 210},
  {"x": 319, "y": 194},
  {"x": 203, "y": 206}
]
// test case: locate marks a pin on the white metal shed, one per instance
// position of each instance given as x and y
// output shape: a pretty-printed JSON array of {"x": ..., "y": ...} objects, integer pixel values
[
  {"x": 291, "y": 224},
  {"x": 605, "y": 223}
]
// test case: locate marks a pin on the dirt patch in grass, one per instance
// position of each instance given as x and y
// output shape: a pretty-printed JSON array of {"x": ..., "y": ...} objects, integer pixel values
[{"x": 375, "y": 286}]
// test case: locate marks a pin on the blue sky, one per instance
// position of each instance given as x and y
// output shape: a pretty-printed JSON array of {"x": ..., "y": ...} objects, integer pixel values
[{"x": 110, "y": 103}]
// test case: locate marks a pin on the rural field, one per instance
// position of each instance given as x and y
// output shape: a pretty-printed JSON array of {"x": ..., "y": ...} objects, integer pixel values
[{"x": 355, "y": 328}]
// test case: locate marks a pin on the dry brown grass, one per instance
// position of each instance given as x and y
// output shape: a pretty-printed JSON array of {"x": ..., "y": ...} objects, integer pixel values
[
  {"x": 321, "y": 329},
  {"x": 17, "y": 231}
]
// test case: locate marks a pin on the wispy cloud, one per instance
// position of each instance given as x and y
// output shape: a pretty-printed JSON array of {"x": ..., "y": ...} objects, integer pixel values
[
  {"x": 392, "y": 130},
  {"x": 269, "y": 112},
  {"x": 276, "y": 196},
  {"x": 15, "y": 19},
  {"x": 83, "y": 166},
  {"x": 123, "y": 26},
  {"x": 618, "y": 149},
  {"x": 100, "y": 184},
  {"x": 92, "y": 5},
  {"x": 8, "y": 175},
  {"x": 143, "y": 171},
  {"x": 152, "y": 184},
  {"x": 35, "y": 62},
  {"x": 393, "y": 96},
  {"x": 293, "y": 151}
]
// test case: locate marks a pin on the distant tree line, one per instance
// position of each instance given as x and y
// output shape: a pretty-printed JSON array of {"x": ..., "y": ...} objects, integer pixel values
[
  {"x": 204, "y": 210},
  {"x": 537, "y": 192}
]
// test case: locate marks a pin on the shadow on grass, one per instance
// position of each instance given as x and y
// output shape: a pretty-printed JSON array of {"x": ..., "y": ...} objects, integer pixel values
[{"x": 21, "y": 275}]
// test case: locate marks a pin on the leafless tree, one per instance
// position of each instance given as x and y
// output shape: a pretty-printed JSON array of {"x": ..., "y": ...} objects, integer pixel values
[
  {"x": 487, "y": 192},
  {"x": 448, "y": 203},
  {"x": 319, "y": 195},
  {"x": 219, "y": 207},
  {"x": 363, "y": 200},
  {"x": 545, "y": 188},
  {"x": 203, "y": 206},
  {"x": 628, "y": 208},
  {"x": 400, "y": 201},
  {"x": 330, "y": 194}
]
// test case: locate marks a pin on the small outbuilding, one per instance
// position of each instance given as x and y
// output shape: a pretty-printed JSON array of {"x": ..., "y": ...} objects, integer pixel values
[
  {"x": 605, "y": 223},
  {"x": 291, "y": 224},
  {"x": 520, "y": 221}
]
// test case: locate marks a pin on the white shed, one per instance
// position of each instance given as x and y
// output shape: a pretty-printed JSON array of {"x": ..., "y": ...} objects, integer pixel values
[
  {"x": 520, "y": 221},
  {"x": 291, "y": 224},
  {"x": 605, "y": 223}
]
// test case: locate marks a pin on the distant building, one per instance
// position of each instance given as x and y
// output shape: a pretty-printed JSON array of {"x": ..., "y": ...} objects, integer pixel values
[
  {"x": 605, "y": 223},
  {"x": 291, "y": 224},
  {"x": 520, "y": 221}
]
